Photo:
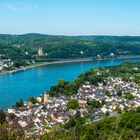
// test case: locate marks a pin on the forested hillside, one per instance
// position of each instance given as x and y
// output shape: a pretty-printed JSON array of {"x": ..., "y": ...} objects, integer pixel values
[
  {"x": 66, "y": 46},
  {"x": 23, "y": 50}
]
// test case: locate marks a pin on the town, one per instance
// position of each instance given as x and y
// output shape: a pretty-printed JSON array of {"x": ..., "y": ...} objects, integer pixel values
[
  {"x": 7, "y": 64},
  {"x": 43, "y": 113}
]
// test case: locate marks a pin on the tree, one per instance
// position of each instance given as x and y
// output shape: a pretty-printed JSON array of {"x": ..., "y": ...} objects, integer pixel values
[
  {"x": 17, "y": 64},
  {"x": 107, "y": 113},
  {"x": 61, "y": 83},
  {"x": 129, "y": 96},
  {"x": 2, "y": 117},
  {"x": 95, "y": 79},
  {"x": 119, "y": 93},
  {"x": 66, "y": 92},
  {"x": 70, "y": 123},
  {"x": 33, "y": 100},
  {"x": 95, "y": 104},
  {"x": 53, "y": 90},
  {"x": 138, "y": 109},
  {"x": 19, "y": 103},
  {"x": 11, "y": 116},
  {"x": 78, "y": 81},
  {"x": 72, "y": 104},
  {"x": 107, "y": 93},
  {"x": 103, "y": 102},
  {"x": 71, "y": 87}
]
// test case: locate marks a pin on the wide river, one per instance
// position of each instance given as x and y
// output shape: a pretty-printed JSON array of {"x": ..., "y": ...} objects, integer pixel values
[{"x": 35, "y": 81}]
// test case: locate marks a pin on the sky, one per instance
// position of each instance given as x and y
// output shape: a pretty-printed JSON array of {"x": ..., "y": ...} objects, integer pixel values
[{"x": 70, "y": 17}]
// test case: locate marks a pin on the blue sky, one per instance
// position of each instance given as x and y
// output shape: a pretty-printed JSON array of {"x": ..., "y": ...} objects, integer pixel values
[{"x": 70, "y": 17}]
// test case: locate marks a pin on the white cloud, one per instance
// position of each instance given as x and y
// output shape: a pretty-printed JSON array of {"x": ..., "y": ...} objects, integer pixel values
[
  {"x": 9, "y": 6},
  {"x": 20, "y": 6}
]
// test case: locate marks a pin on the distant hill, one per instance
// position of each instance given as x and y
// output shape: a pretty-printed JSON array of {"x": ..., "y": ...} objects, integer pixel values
[{"x": 25, "y": 47}]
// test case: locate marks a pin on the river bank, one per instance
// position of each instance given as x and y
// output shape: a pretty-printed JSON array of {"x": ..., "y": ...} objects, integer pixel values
[{"x": 39, "y": 64}]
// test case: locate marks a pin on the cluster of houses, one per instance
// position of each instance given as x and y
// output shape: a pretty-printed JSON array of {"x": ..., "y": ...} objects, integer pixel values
[
  {"x": 50, "y": 112},
  {"x": 5, "y": 63},
  {"x": 113, "y": 102}
]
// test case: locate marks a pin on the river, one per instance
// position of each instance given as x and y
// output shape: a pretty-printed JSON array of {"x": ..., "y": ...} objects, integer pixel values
[{"x": 35, "y": 81}]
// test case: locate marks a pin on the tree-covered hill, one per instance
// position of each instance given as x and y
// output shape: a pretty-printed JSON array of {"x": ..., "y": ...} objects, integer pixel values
[
  {"x": 23, "y": 49},
  {"x": 70, "y": 46}
]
